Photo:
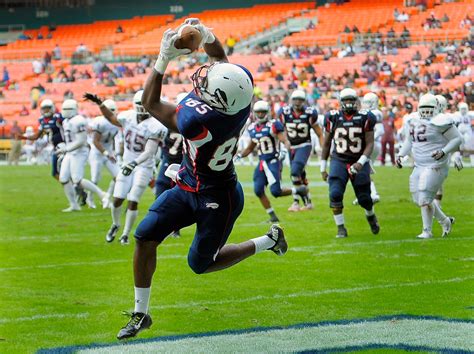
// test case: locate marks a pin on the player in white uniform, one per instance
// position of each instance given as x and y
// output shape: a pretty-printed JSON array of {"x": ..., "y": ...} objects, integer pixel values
[
  {"x": 102, "y": 150},
  {"x": 75, "y": 152},
  {"x": 370, "y": 102},
  {"x": 141, "y": 137},
  {"x": 432, "y": 138},
  {"x": 464, "y": 121},
  {"x": 29, "y": 148}
]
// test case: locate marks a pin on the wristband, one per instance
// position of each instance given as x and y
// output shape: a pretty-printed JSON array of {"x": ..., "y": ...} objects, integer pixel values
[
  {"x": 362, "y": 160},
  {"x": 324, "y": 164},
  {"x": 161, "y": 64},
  {"x": 105, "y": 153}
]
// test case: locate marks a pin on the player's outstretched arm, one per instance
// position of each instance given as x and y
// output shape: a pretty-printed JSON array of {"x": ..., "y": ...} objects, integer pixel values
[
  {"x": 35, "y": 136},
  {"x": 107, "y": 113}
]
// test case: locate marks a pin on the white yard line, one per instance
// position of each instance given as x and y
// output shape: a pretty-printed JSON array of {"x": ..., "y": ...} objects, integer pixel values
[{"x": 44, "y": 317}]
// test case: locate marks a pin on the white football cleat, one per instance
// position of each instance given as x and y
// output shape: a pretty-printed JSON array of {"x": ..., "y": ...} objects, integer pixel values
[
  {"x": 294, "y": 207},
  {"x": 308, "y": 206},
  {"x": 447, "y": 226},
  {"x": 375, "y": 198},
  {"x": 90, "y": 201},
  {"x": 72, "y": 208},
  {"x": 106, "y": 201},
  {"x": 425, "y": 234}
]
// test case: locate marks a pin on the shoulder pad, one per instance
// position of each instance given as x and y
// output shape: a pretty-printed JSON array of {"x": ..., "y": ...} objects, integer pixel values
[
  {"x": 442, "y": 120},
  {"x": 363, "y": 111},
  {"x": 333, "y": 112},
  {"x": 287, "y": 109},
  {"x": 251, "y": 126}
]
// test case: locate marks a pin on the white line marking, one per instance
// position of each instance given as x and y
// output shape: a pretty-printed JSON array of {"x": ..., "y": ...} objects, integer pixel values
[
  {"x": 311, "y": 293},
  {"x": 74, "y": 264},
  {"x": 254, "y": 298},
  {"x": 45, "y": 317}
]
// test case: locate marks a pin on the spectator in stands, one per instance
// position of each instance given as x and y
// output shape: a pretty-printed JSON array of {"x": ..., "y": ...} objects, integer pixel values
[
  {"x": 355, "y": 30},
  {"x": 39, "y": 36},
  {"x": 347, "y": 29},
  {"x": 24, "y": 37},
  {"x": 416, "y": 56},
  {"x": 6, "y": 76},
  {"x": 445, "y": 18},
  {"x": 37, "y": 67},
  {"x": 57, "y": 52},
  {"x": 145, "y": 61},
  {"x": 24, "y": 111},
  {"x": 46, "y": 59},
  {"x": 230, "y": 43},
  {"x": 68, "y": 94},
  {"x": 388, "y": 136},
  {"x": 119, "y": 29},
  {"x": 310, "y": 25},
  {"x": 81, "y": 49},
  {"x": 405, "y": 34},
  {"x": 98, "y": 67},
  {"x": 15, "y": 152},
  {"x": 49, "y": 35},
  {"x": 403, "y": 17},
  {"x": 3, "y": 122}
]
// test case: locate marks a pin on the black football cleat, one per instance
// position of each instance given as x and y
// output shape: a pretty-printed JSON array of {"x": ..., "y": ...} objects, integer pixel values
[
  {"x": 124, "y": 240},
  {"x": 81, "y": 196},
  {"x": 137, "y": 323},
  {"x": 111, "y": 233},
  {"x": 276, "y": 234},
  {"x": 374, "y": 224},
  {"x": 302, "y": 191},
  {"x": 341, "y": 232}
]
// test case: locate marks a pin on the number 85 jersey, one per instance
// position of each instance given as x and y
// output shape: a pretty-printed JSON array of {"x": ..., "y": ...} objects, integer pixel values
[
  {"x": 348, "y": 133},
  {"x": 137, "y": 133}
]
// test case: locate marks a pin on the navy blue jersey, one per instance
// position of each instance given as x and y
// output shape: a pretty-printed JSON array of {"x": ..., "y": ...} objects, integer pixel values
[
  {"x": 348, "y": 133},
  {"x": 210, "y": 143},
  {"x": 265, "y": 136},
  {"x": 53, "y": 127},
  {"x": 298, "y": 125},
  {"x": 173, "y": 148}
]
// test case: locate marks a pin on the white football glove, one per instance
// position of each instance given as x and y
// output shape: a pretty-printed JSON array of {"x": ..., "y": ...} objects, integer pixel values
[
  {"x": 167, "y": 49},
  {"x": 206, "y": 33},
  {"x": 282, "y": 155},
  {"x": 458, "y": 163},
  {"x": 172, "y": 171},
  {"x": 61, "y": 149}
]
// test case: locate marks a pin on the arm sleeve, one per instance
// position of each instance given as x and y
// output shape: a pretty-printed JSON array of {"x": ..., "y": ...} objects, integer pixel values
[
  {"x": 150, "y": 150},
  {"x": 455, "y": 140},
  {"x": 277, "y": 127},
  {"x": 370, "y": 122},
  {"x": 327, "y": 123},
  {"x": 406, "y": 147}
]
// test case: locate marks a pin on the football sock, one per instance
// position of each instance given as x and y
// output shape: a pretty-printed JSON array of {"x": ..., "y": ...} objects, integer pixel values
[
  {"x": 269, "y": 211},
  {"x": 70, "y": 194},
  {"x": 262, "y": 243},
  {"x": 116, "y": 212},
  {"x": 142, "y": 299},
  {"x": 110, "y": 190},
  {"x": 89, "y": 186},
  {"x": 427, "y": 212},
  {"x": 130, "y": 218},
  {"x": 437, "y": 202},
  {"x": 373, "y": 190},
  {"x": 339, "y": 219},
  {"x": 438, "y": 213},
  {"x": 369, "y": 212}
]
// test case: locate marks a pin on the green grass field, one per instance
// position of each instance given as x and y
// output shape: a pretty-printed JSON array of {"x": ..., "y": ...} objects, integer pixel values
[{"x": 62, "y": 285}]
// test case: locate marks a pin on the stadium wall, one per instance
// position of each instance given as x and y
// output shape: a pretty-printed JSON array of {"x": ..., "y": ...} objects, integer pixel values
[{"x": 117, "y": 9}]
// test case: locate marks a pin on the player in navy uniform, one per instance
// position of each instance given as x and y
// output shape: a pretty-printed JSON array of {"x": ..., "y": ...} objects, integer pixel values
[
  {"x": 299, "y": 119},
  {"x": 50, "y": 123},
  {"x": 353, "y": 134},
  {"x": 266, "y": 134},
  {"x": 210, "y": 119}
]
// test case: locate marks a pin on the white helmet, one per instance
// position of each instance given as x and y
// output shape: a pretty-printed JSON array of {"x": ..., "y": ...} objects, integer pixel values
[
  {"x": 261, "y": 106},
  {"x": 428, "y": 106},
  {"x": 138, "y": 107},
  {"x": 463, "y": 108},
  {"x": 442, "y": 103},
  {"x": 180, "y": 96},
  {"x": 111, "y": 105},
  {"x": 69, "y": 108},
  {"x": 298, "y": 95},
  {"x": 29, "y": 130},
  {"x": 370, "y": 101},
  {"x": 228, "y": 88},
  {"x": 348, "y": 100},
  {"x": 47, "y": 107}
]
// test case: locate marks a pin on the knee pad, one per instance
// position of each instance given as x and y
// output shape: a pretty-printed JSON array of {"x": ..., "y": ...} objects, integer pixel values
[
  {"x": 297, "y": 169},
  {"x": 275, "y": 189},
  {"x": 365, "y": 201},
  {"x": 197, "y": 263},
  {"x": 425, "y": 198},
  {"x": 335, "y": 198}
]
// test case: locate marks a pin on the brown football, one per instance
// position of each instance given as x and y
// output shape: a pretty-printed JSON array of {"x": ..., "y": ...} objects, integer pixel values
[{"x": 190, "y": 39}]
